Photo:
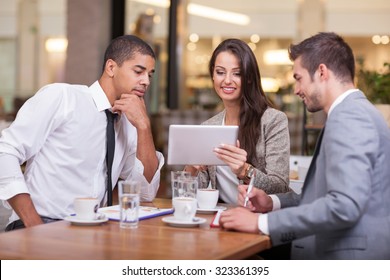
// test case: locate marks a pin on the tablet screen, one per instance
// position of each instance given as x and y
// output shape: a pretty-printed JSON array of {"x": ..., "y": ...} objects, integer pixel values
[{"x": 194, "y": 144}]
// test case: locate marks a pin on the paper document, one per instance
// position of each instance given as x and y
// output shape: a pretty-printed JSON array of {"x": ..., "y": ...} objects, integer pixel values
[{"x": 145, "y": 212}]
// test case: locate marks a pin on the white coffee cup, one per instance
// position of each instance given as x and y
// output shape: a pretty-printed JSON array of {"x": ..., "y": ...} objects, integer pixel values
[
  {"x": 86, "y": 208},
  {"x": 185, "y": 208},
  {"x": 207, "y": 198}
]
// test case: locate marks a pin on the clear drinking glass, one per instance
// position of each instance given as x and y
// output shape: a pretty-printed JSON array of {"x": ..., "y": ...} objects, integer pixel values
[
  {"x": 175, "y": 176},
  {"x": 129, "y": 201}
]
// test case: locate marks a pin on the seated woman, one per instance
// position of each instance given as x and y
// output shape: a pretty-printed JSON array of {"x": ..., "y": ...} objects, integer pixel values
[{"x": 263, "y": 145}]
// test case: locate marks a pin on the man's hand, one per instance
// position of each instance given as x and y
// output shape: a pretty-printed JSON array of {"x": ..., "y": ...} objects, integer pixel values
[
  {"x": 239, "y": 219},
  {"x": 258, "y": 201},
  {"x": 134, "y": 108}
]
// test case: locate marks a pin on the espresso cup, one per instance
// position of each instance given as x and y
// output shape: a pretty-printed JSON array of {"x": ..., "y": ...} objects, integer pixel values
[
  {"x": 185, "y": 208},
  {"x": 207, "y": 198},
  {"x": 86, "y": 208},
  {"x": 184, "y": 197}
]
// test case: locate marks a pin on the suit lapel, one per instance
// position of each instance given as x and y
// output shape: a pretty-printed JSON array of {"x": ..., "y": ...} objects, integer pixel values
[{"x": 313, "y": 161}]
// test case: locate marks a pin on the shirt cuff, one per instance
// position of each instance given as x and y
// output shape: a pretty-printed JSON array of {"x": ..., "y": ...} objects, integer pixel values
[
  {"x": 263, "y": 218},
  {"x": 263, "y": 224},
  {"x": 275, "y": 202},
  {"x": 11, "y": 189},
  {"x": 148, "y": 190},
  {"x": 11, "y": 177}
]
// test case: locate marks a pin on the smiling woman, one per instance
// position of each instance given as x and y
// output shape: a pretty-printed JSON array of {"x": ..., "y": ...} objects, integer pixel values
[{"x": 263, "y": 137}]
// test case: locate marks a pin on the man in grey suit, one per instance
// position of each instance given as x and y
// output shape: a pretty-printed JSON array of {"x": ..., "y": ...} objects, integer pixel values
[{"x": 343, "y": 211}]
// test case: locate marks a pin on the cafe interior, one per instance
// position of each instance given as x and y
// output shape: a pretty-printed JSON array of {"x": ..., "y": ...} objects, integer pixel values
[{"x": 54, "y": 41}]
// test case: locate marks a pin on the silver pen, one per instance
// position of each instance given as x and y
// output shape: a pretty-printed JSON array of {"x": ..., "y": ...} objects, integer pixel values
[{"x": 249, "y": 190}]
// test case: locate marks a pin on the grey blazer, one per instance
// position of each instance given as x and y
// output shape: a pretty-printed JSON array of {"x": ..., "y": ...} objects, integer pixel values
[
  {"x": 344, "y": 209},
  {"x": 272, "y": 153}
]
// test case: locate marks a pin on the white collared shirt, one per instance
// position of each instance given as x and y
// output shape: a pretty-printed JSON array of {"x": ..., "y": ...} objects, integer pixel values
[
  {"x": 61, "y": 133},
  {"x": 227, "y": 181},
  {"x": 263, "y": 219},
  {"x": 340, "y": 99}
]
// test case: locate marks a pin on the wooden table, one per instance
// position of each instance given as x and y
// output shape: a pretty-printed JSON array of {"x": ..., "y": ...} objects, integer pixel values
[{"x": 153, "y": 239}]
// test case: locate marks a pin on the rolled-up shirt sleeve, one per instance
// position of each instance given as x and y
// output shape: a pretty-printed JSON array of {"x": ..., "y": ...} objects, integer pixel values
[
  {"x": 148, "y": 190},
  {"x": 11, "y": 177},
  {"x": 24, "y": 138}
]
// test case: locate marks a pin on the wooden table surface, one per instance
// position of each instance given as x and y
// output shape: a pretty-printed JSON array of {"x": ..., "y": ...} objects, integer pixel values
[{"x": 153, "y": 239}]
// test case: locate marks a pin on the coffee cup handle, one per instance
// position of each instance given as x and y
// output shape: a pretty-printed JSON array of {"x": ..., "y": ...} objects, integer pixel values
[{"x": 99, "y": 216}]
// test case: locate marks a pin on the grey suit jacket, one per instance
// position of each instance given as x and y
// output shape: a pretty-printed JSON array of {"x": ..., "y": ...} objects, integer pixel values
[
  {"x": 344, "y": 208},
  {"x": 272, "y": 153}
]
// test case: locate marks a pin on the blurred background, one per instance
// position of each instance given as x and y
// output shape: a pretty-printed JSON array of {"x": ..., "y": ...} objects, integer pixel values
[{"x": 50, "y": 41}]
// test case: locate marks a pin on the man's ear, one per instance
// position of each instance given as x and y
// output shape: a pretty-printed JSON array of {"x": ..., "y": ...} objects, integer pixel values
[
  {"x": 110, "y": 67},
  {"x": 323, "y": 71}
]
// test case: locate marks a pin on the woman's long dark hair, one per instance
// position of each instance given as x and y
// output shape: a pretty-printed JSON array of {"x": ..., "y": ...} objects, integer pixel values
[{"x": 253, "y": 101}]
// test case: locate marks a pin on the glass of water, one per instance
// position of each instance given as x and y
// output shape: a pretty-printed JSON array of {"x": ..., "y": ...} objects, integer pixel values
[
  {"x": 175, "y": 177},
  {"x": 129, "y": 201}
]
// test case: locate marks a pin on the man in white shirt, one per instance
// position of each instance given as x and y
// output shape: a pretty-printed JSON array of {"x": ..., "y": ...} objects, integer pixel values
[
  {"x": 343, "y": 211},
  {"x": 61, "y": 135}
]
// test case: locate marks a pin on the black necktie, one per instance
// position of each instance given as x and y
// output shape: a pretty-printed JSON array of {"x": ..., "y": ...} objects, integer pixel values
[{"x": 110, "y": 152}]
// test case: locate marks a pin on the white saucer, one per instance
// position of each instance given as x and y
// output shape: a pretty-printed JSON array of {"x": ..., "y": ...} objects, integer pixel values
[
  {"x": 76, "y": 221},
  {"x": 210, "y": 211},
  {"x": 171, "y": 220}
]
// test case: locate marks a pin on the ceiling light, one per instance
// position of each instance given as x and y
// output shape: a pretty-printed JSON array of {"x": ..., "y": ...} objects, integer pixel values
[
  {"x": 385, "y": 39},
  {"x": 194, "y": 37},
  {"x": 204, "y": 11},
  {"x": 269, "y": 84},
  {"x": 277, "y": 57},
  {"x": 255, "y": 38},
  {"x": 376, "y": 39},
  {"x": 157, "y": 3},
  {"x": 56, "y": 45},
  {"x": 217, "y": 14}
]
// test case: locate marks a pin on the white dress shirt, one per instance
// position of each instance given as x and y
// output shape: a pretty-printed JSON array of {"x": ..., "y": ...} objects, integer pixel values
[
  {"x": 227, "y": 183},
  {"x": 61, "y": 135},
  {"x": 263, "y": 219}
]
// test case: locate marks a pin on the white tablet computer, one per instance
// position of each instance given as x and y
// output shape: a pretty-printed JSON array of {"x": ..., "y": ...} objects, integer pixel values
[{"x": 194, "y": 144}]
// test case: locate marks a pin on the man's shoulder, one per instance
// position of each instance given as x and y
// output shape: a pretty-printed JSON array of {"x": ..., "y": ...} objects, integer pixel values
[
  {"x": 59, "y": 89},
  {"x": 62, "y": 87}
]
